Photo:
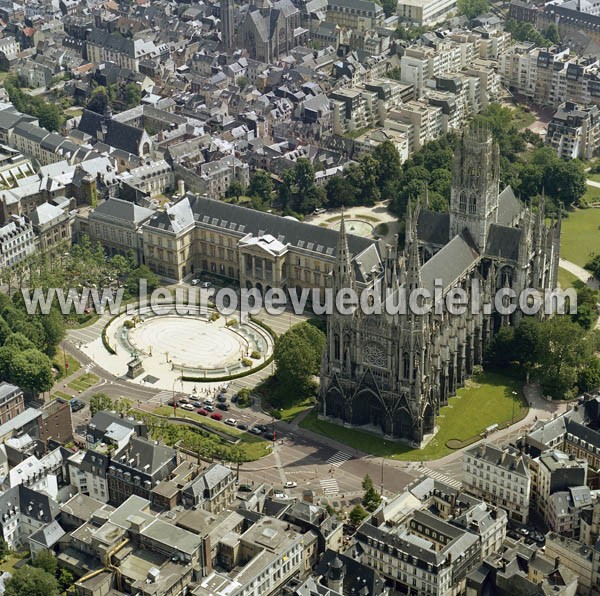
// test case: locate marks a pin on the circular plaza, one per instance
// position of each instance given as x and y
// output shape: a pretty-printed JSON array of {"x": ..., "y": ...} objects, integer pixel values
[{"x": 161, "y": 348}]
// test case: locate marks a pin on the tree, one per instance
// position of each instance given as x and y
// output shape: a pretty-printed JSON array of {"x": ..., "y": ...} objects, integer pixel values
[
  {"x": 388, "y": 167},
  {"x": 526, "y": 341},
  {"x": 98, "y": 100},
  {"x": 6, "y": 358},
  {"x": 294, "y": 359},
  {"x": 121, "y": 265},
  {"x": 501, "y": 351},
  {"x": 53, "y": 325},
  {"x": 371, "y": 498},
  {"x": 562, "y": 350},
  {"x": 32, "y": 369},
  {"x": 389, "y": 7},
  {"x": 357, "y": 515},
  {"x": 132, "y": 95},
  {"x": 100, "y": 402},
  {"x": 46, "y": 560},
  {"x": 50, "y": 116},
  {"x": 261, "y": 186},
  {"x": 242, "y": 82},
  {"x": 589, "y": 376},
  {"x": 235, "y": 190},
  {"x": 65, "y": 579},
  {"x": 4, "y": 550},
  {"x": 340, "y": 192},
  {"x": 472, "y": 8},
  {"x": 551, "y": 33},
  {"x": 142, "y": 273},
  {"x": 31, "y": 581}
]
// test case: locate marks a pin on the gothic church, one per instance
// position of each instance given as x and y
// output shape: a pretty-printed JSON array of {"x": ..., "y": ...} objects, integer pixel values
[{"x": 391, "y": 373}]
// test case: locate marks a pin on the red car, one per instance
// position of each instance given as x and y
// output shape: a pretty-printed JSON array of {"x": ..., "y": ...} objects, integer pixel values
[
  {"x": 216, "y": 416},
  {"x": 202, "y": 412}
]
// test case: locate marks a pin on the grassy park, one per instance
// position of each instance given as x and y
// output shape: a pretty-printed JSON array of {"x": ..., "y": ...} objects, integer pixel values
[
  {"x": 487, "y": 400},
  {"x": 580, "y": 236},
  {"x": 565, "y": 278},
  {"x": 84, "y": 382}
]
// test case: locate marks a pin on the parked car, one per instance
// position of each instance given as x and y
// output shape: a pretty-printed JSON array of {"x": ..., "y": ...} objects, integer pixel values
[
  {"x": 222, "y": 398},
  {"x": 188, "y": 407},
  {"x": 242, "y": 426},
  {"x": 203, "y": 412},
  {"x": 195, "y": 282},
  {"x": 255, "y": 430},
  {"x": 261, "y": 427},
  {"x": 209, "y": 408},
  {"x": 205, "y": 285},
  {"x": 279, "y": 495},
  {"x": 196, "y": 403},
  {"x": 209, "y": 401},
  {"x": 76, "y": 405},
  {"x": 223, "y": 406},
  {"x": 183, "y": 400},
  {"x": 231, "y": 421},
  {"x": 234, "y": 398},
  {"x": 271, "y": 436},
  {"x": 291, "y": 484},
  {"x": 216, "y": 416}
]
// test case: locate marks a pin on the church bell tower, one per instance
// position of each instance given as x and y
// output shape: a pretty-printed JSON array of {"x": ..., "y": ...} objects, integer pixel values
[{"x": 475, "y": 185}]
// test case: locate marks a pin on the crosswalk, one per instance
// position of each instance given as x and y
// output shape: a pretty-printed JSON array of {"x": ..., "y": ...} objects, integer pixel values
[
  {"x": 89, "y": 366},
  {"x": 441, "y": 477},
  {"x": 338, "y": 458},
  {"x": 161, "y": 396},
  {"x": 330, "y": 486}
]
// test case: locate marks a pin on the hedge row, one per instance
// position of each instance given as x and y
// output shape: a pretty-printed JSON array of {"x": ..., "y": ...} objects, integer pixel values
[
  {"x": 245, "y": 373},
  {"x": 105, "y": 338}
]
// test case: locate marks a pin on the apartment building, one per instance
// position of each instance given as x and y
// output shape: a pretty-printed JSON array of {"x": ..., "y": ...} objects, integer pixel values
[
  {"x": 565, "y": 508},
  {"x": 259, "y": 561},
  {"x": 46, "y": 147},
  {"x": 52, "y": 226},
  {"x": 217, "y": 176},
  {"x": 360, "y": 15},
  {"x": 353, "y": 109},
  {"x": 421, "y": 63},
  {"x": 425, "y": 122},
  {"x": 213, "y": 490},
  {"x": 12, "y": 401},
  {"x": 574, "y": 131},
  {"x": 17, "y": 241},
  {"x": 103, "y": 46},
  {"x": 575, "y": 556},
  {"x": 554, "y": 471},
  {"x": 137, "y": 468},
  {"x": 500, "y": 476},
  {"x": 422, "y": 13}
]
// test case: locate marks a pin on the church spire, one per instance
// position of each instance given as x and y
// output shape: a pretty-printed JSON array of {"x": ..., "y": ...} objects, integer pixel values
[
  {"x": 413, "y": 263},
  {"x": 343, "y": 277}
]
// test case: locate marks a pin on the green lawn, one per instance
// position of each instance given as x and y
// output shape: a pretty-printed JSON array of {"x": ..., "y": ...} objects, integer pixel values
[
  {"x": 61, "y": 394},
  {"x": 484, "y": 402},
  {"x": 523, "y": 118},
  {"x": 8, "y": 564},
  {"x": 59, "y": 362},
  {"x": 580, "y": 235},
  {"x": 289, "y": 413},
  {"x": 594, "y": 177},
  {"x": 83, "y": 382},
  {"x": 565, "y": 278},
  {"x": 254, "y": 446}
]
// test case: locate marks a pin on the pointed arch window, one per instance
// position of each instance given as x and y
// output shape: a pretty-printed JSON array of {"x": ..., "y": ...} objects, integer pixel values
[
  {"x": 462, "y": 202},
  {"x": 472, "y": 204},
  {"x": 336, "y": 346},
  {"x": 405, "y": 365}
]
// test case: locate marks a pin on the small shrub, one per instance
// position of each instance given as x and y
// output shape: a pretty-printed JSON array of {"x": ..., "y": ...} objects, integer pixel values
[
  {"x": 246, "y": 362},
  {"x": 129, "y": 324},
  {"x": 231, "y": 323},
  {"x": 215, "y": 316},
  {"x": 255, "y": 354}
]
